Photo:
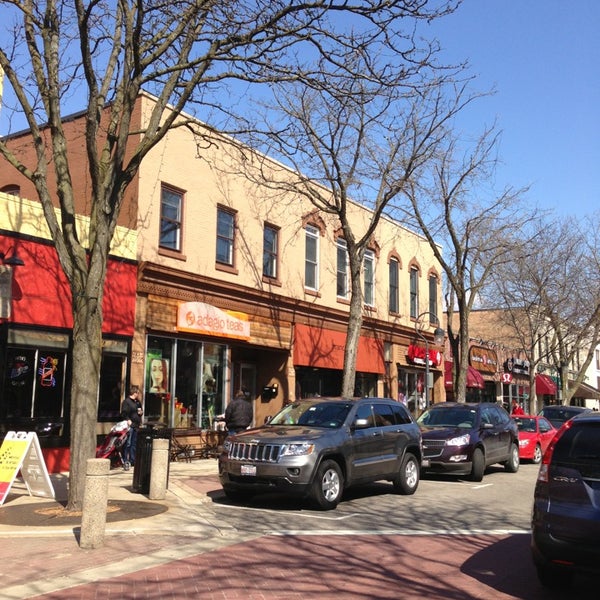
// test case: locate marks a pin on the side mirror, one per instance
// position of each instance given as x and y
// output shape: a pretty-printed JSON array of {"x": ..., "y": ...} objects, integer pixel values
[
  {"x": 361, "y": 423},
  {"x": 267, "y": 419}
]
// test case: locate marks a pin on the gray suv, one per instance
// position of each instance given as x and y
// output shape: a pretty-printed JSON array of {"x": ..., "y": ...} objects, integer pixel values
[{"x": 318, "y": 447}]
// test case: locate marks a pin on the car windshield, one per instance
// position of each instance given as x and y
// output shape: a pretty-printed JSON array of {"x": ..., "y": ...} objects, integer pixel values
[
  {"x": 527, "y": 425},
  {"x": 313, "y": 414},
  {"x": 453, "y": 417}
]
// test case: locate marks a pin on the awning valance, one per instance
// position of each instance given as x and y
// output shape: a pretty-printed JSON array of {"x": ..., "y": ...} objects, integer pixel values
[
  {"x": 474, "y": 377},
  {"x": 544, "y": 385}
]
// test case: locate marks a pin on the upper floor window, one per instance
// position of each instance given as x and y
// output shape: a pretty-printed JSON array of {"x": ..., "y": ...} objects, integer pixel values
[
  {"x": 342, "y": 269},
  {"x": 225, "y": 236},
  {"x": 311, "y": 258},
  {"x": 13, "y": 189},
  {"x": 394, "y": 287},
  {"x": 171, "y": 203},
  {"x": 414, "y": 293},
  {"x": 433, "y": 299},
  {"x": 369, "y": 277},
  {"x": 270, "y": 251}
]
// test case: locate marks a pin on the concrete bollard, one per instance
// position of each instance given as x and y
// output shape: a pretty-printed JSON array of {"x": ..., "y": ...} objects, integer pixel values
[
  {"x": 159, "y": 469},
  {"x": 95, "y": 503}
]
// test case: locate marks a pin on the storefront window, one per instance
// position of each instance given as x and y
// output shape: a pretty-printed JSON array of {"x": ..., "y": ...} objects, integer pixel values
[
  {"x": 33, "y": 387},
  {"x": 184, "y": 379}
]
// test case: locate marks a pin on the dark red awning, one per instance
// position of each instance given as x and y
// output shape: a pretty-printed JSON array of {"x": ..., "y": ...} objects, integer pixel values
[
  {"x": 474, "y": 378},
  {"x": 544, "y": 385}
]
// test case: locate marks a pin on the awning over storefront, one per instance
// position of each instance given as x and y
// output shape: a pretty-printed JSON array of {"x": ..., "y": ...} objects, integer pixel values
[
  {"x": 474, "y": 377},
  {"x": 586, "y": 392},
  {"x": 544, "y": 385},
  {"x": 324, "y": 348}
]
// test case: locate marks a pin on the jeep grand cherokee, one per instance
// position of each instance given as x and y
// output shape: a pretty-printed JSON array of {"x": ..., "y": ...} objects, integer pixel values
[{"x": 318, "y": 447}]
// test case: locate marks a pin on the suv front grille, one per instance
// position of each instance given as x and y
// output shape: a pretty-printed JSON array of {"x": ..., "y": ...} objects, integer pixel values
[{"x": 256, "y": 452}]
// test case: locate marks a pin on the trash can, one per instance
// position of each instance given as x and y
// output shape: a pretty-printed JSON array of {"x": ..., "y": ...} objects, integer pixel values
[{"x": 143, "y": 456}]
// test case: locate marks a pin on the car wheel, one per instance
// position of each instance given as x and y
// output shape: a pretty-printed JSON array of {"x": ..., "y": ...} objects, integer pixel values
[
  {"x": 478, "y": 465},
  {"x": 512, "y": 464},
  {"x": 554, "y": 578},
  {"x": 328, "y": 485},
  {"x": 407, "y": 480},
  {"x": 537, "y": 455}
]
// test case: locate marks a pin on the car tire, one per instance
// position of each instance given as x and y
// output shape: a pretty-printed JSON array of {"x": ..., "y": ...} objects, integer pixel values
[
  {"x": 537, "y": 455},
  {"x": 237, "y": 496},
  {"x": 477, "y": 465},
  {"x": 554, "y": 578},
  {"x": 407, "y": 480},
  {"x": 328, "y": 485},
  {"x": 512, "y": 464}
]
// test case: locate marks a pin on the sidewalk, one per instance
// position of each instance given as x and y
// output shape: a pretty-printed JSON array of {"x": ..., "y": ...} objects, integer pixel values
[{"x": 39, "y": 550}]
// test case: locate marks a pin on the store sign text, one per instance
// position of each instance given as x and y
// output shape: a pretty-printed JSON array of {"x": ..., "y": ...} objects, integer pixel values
[{"x": 199, "y": 317}]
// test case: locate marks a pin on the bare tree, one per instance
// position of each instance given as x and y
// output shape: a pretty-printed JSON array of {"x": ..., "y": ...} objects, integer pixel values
[
  {"x": 183, "y": 52},
  {"x": 471, "y": 228},
  {"x": 360, "y": 142},
  {"x": 550, "y": 293}
]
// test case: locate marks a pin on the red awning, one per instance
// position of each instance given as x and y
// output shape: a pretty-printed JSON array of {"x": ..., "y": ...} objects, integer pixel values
[
  {"x": 474, "y": 378},
  {"x": 317, "y": 347},
  {"x": 544, "y": 385}
]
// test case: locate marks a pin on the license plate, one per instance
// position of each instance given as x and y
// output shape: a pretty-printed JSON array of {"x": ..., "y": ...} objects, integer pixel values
[{"x": 248, "y": 470}]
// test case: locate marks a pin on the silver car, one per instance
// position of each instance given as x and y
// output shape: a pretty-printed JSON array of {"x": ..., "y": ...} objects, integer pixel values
[{"x": 318, "y": 447}]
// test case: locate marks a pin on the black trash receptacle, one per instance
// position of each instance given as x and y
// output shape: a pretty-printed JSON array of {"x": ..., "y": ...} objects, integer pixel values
[{"x": 143, "y": 456}]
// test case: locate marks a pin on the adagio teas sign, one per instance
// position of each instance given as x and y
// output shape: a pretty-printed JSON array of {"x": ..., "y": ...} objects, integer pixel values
[{"x": 199, "y": 317}]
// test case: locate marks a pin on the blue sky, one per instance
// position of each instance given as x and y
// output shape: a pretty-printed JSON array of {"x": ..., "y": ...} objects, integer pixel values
[{"x": 543, "y": 59}]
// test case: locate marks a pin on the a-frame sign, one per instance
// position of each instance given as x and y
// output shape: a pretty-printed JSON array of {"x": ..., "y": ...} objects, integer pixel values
[{"x": 21, "y": 451}]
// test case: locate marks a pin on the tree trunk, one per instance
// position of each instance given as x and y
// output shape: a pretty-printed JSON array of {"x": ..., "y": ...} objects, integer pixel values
[{"x": 87, "y": 356}]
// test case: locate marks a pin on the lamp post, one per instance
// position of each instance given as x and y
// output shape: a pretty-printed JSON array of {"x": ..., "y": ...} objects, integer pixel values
[{"x": 438, "y": 339}]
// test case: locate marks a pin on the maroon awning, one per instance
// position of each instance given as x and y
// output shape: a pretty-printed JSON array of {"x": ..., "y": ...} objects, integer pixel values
[
  {"x": 544, "y": 385},
  {"x": 474, "y": 378}
]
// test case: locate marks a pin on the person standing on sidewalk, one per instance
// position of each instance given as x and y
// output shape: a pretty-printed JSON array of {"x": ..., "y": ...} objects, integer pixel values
[
  {"x": 131, "y": 411},
  {"x": 238, "y": 414}
]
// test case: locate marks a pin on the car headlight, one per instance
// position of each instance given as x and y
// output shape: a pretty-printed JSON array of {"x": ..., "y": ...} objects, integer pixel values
[
  {"x": 461, "y": 440},
  {"x": 227, "y": 445},
  {"x": 297, "y": 449}
]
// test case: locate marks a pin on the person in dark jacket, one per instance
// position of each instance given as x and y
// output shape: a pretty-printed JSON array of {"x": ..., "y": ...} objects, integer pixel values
[
  {"x": 131, "y": 411},
  {"x": 238, "y": 414}
]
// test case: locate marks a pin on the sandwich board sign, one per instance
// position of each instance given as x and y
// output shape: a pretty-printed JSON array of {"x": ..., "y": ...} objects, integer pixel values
[{"x": 21, "y": 451}]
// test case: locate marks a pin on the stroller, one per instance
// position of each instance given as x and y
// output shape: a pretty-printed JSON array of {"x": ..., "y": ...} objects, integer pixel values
[{"x": 114, "y": 441}]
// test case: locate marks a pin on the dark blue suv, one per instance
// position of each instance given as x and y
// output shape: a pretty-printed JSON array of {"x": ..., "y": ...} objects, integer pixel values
[{"x": 565, "y": 527}]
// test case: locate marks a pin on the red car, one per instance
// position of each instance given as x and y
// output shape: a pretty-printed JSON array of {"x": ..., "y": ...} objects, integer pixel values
[{"x": 535, "y": 433}]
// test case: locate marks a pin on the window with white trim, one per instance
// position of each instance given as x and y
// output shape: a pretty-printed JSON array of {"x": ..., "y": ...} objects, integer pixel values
[
  {"x": 342, "y": 269},
  {"x": 414, "y": 293},
  {"x": 311, "y": 258},
  {"x": 270, "y": 251},
  {"x": 171, "y": 203},
  {"x": 394, "y": 286},
  {"x": 225, "y": 236},
  {"x": 369, "y": 278}
]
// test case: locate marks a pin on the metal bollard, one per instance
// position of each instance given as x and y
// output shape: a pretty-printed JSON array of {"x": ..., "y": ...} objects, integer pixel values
[
  {"x": 159, "y": 469},
  {"x": 95, "y": 503}
]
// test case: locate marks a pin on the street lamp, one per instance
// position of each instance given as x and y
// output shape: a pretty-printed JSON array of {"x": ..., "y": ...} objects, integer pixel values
[
  {"x": 7, "y": 264},
  {"x": 438, "y": 340}
]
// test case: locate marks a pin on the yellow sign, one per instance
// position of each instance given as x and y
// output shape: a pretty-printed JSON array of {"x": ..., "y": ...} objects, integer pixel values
[{"x": 20, "y": 451}]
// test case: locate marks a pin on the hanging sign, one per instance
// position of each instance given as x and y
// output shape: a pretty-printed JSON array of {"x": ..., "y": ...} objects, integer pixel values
[{"x": 21, "y": 451}]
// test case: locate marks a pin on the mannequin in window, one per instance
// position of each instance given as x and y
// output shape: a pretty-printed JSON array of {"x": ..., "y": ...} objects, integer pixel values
[{"x": 158, "y": 376}]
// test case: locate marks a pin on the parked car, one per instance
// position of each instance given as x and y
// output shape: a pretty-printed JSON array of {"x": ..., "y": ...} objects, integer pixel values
[
  {"x": 565, "y": 523},
  {"x": 465, "y": 438},
  {"x": 558, "y": 414},
  {"x": 319, "y": 447},
  {"x": 535, "y": 433}
]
